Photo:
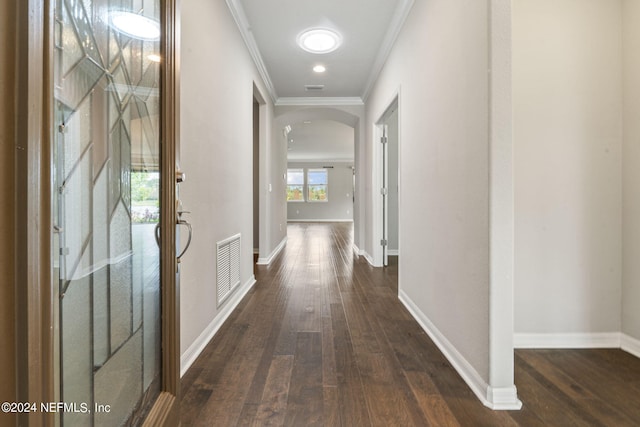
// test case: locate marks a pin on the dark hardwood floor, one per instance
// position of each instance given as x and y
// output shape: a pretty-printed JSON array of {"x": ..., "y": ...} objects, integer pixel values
[{"x": 323, "y": 340}]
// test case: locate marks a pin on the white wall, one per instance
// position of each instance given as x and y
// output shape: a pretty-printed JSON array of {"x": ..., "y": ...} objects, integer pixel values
[
  {"x": 217, "y": 78},
  {"x": 631, "y": 168},
  {"x": 568, "y": 135},
  {"x": 439, "y": 65},
  {"x": 339, "y": 206},
  {"x": 273, "y": 161}
]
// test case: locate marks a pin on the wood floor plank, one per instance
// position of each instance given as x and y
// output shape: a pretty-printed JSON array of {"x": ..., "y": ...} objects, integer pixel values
[
  {"x": 331, "y": 407},
  {"x": 271, "y": 315},
  {"x": 192, "y": 404},
  {"x": 209, "y": 366},
  {"x": 329, "y": 375},
  {"x": 385, "y": 399},
  {"x": 306, "y": 395},
  {"x": 363, "y": 336},
  {"x": 432, "y": 404},
  {"x": 353, "y": 408},
  {"x": 272, "y": 409},
  {"x": 311, "y": 312}
]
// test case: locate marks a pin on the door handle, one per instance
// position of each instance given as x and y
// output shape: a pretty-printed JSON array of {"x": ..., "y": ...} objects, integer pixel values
[
  {"x": 186, "y": 246},
  {"x": 179, "y": 221},
  {"x": 157, "y": 233}
]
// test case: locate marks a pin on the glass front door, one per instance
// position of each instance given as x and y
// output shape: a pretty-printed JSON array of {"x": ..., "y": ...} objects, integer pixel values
[{"x": 106, "y": 208}]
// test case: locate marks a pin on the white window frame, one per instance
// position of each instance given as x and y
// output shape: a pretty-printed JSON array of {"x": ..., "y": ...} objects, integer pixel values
[
  {"x": 304, "y": 192},
  {"x": 308, "y": 195}
]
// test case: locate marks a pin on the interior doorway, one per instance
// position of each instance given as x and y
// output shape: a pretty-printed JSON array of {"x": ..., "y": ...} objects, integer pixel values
[
  {"x": 261, "y": 168},
  {"x": 393, "y": 214},
  {"x": 388, "y": 129},
  {"x": 256, "y": 179}
]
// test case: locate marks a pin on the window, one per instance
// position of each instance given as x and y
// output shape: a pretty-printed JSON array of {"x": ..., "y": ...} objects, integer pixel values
[
  {"x": 317, "y": 183},
  {"x": 145, "y": 192},
  {"x": 295, "y": 185},
  {"x": 314, "y": 187}
]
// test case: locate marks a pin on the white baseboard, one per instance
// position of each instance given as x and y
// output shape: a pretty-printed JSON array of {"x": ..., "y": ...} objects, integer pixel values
[
  {"x": 358, "y": 251},
  {"x": 393, "y": 252},
  {"x": 276, "y": 251},
  {"x": 630, "y": 344},
  {"x": 570, "y": 340},
  {"x": 368, "y": 257},
  {"x": 578, "y": 340},
  {"x": 194, "y": 350},
  {"x": 502, "y": 398},
  {"x": 319, "y": 220}
]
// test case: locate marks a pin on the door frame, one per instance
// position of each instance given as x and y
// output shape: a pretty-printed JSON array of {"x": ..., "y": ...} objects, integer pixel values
[
  {"x": 262, "y": 154},
  {"x": 380, "y": 168},
  {"x": 35, "y": 330},
  {"x": 33, "y": 272}
]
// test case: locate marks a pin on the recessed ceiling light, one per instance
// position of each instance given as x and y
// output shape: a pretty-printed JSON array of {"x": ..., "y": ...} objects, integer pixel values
[
  {"x": 135, "y": 26},
  {"x": 319, "y": 69},
  {"x": 319, "y": 40}
]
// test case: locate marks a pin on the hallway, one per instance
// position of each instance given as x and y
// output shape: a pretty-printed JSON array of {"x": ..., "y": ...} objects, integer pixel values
[{"x": 323, "y": 340}]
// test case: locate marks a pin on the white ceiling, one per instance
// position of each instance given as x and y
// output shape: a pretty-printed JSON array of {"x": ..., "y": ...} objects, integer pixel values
[
  {"x": 321, "y": 140},
  {"x": 270, "y": 29}
]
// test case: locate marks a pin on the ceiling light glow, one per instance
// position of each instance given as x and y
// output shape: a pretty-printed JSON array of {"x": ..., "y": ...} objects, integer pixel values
[
  {"x": 319, "y": 69},
  {"x": 154, "y": 57},
  {"x": 319, "y": 40},
  {"x": 135, "y": 26}
]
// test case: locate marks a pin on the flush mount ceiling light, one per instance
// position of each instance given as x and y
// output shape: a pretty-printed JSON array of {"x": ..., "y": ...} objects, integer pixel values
[
  {"x": 135, "y": 26},
  {"x": 319, "y": 40},
  {"x": 319, "y": 69}
]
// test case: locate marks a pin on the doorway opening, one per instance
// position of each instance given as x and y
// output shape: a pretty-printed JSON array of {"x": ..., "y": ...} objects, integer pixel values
[
  {"x": 316, "y": 114},
  {"x": 256, "y": 180},
  {"x": 388, "y": 212},
  {"x": 260, "y": 237},
  {"x": 320, "y": 162}
]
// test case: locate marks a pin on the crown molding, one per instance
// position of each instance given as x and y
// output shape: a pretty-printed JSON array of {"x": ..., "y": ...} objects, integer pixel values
[
  {"x": 237, "y": 11},
  {"x": 318, "y": 101},
  {"x": 340, "y": 162},
  {"x": 397, "y": 21}
]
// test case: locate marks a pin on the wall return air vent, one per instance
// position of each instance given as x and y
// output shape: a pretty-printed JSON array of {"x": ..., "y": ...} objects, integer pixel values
[{"x": 228, "y": 267}]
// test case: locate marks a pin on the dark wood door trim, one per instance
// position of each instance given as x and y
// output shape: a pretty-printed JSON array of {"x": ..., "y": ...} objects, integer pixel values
[
  {"x": 35, "y": 333},
  {"x": 165, "y": 411},
  {"x": 34, "y": 298}
]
